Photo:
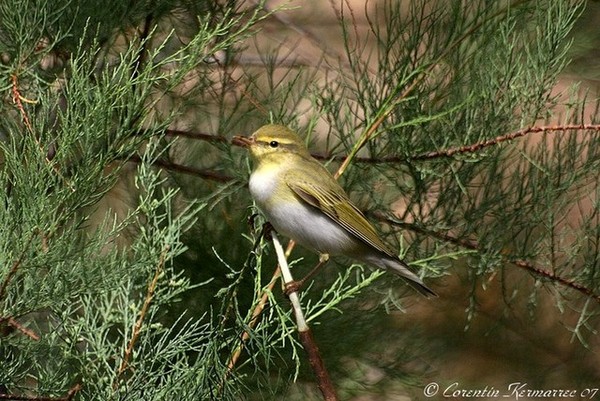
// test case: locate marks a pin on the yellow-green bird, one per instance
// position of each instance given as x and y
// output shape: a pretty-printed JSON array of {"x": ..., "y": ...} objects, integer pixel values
[{"x": 303, "y": 201}]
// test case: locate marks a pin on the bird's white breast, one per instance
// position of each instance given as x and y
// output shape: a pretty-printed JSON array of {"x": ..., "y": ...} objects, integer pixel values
[
  {"x": 296, "y": 219},
  {"x": 262, "y": 185}
]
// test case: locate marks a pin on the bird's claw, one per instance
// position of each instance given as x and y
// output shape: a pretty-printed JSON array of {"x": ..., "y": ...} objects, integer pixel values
[{"x": 266, "y": 231}]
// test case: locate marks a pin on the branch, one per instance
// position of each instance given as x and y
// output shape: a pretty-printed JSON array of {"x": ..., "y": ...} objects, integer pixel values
[
  {"x": 197, "y": 136},
  {"x": 258, "y": 310},
  {"x": 551, "y": 276},
  {"x": 180, "y": 168},
  {"x": 504, "y": 138},
  {"x": 466, "y": 148},
  {"x": 474, "y": 245},
  {"x": 304, "y": 332},
  {"x": 393, "y": 101},
  {"x": 11, "y": 321},
  {"x": 68, "y": 397},
  {"x": 137, "y": 328}
]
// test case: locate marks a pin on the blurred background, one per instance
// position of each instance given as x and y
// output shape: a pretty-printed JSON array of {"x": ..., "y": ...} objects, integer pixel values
[{"x": 506, "y": 232}]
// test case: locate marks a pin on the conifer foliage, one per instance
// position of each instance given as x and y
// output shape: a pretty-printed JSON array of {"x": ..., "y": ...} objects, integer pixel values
[{"x": 133, "y": 265}]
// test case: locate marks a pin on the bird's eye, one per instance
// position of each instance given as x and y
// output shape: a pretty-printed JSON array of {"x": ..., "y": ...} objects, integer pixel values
[{"x": 273, "y": 144}]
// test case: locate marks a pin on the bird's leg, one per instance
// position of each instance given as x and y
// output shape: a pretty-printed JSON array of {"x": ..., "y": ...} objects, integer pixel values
[
  {"x": 266, "y": 230},
  {"x": 294, "y": 286}
]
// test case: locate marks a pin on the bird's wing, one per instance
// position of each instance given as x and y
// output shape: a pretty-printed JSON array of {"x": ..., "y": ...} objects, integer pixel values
[{"x": 337, "y": 206}]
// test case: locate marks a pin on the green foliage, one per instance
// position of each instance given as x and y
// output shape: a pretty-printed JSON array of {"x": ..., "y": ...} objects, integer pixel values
[{"x": 128, "y": 269}]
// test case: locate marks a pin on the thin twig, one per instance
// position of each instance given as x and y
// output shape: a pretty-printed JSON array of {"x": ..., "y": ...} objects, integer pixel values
[
  {"x": 180, "y": 168},
  {"x": 393, "y": 103},
  {"x": 258, "y": 310},
  {"x": 311, "y": 37},
  {"x": 68, "y": 397},
  {"x": 304, "y": 333},
  {"x": 15, "y": 267},
  {"x": 474, "y": 245},
  {"x": 137, "y": 328},
  {"x": 559, "y": 279},
  {"x": 17, "y": 98},
  {"x": 504, "y": 138},
  {"x": 197, "y": 136},
  {"x": 12, "y": 322}
]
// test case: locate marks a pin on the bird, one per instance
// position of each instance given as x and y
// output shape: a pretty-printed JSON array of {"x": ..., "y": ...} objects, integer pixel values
[{"x": 302, "y": 200}]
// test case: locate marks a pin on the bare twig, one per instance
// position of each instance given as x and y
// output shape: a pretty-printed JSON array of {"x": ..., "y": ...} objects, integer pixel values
[
  {"x": 137, "y": 328},
  {"x": 258, "y": 310},
  {"x": 474, "y": 245},
  {"x": 12, "y": 322},
  {"x": 180, "y": 168},
  {"x": 311, "y": 37},
  {"x": 372, "y": 128},
  {"x": 504, "y": 138},
  {"x": 17, "y": 99},
  {"x": 68, "y": 397},
  {"x": 304, "y": 333},
  {"x": 197, "y": 136}
]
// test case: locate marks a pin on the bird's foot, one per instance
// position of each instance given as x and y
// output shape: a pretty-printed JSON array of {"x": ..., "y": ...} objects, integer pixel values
[
  {"x": 266, "y": 231},
  {"x": 295, "y": 285}
]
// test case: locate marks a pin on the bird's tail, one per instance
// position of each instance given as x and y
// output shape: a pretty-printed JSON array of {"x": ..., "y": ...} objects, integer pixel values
[{"x": 403, "y": 270}]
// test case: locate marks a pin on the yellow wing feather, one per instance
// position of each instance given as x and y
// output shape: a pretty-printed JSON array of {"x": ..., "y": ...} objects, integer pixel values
[{"x": 333, "y": 201}]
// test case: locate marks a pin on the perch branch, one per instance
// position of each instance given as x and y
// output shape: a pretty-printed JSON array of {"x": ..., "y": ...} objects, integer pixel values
[{"x": 304, "y": 332}]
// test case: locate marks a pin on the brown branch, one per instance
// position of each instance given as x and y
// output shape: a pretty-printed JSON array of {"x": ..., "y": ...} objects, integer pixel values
[
  {"x": 474, "y": 245},
  {"x": 466, "y": 148},
  {"x": 197, "y": 136},
  {"x": 551, "y": 276},
  {"x": 12, "y": 322},
  {"x": 137, "y": 328},
  {"x": 17, "y": 99},
  {"x": 316, "y": 362},
  {"x": 68, "y": 397},
  {"x": 304, "y": 332},
  {"x": 206, "y": 174},
  {"x": 504, "y": 138}
]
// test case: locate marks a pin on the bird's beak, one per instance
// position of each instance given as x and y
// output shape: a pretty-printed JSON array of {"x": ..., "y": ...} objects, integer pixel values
[{"x": 242, "y": 141}]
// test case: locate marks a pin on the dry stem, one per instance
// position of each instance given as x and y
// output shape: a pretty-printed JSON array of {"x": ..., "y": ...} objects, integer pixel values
[{"x": 137, "y": 328}]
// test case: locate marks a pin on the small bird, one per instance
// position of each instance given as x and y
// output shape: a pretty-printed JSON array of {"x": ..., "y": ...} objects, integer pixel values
[{"x": 303, "y": 201}]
